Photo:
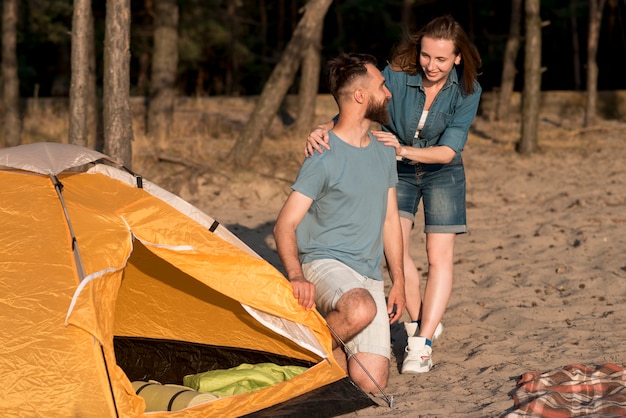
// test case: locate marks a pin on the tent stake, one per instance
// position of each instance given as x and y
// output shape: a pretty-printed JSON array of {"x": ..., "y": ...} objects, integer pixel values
[{"x": 388, "y": 399}]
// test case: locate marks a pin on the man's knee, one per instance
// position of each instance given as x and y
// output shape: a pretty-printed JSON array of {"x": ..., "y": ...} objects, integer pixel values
[{"x": 358, "y": 306}]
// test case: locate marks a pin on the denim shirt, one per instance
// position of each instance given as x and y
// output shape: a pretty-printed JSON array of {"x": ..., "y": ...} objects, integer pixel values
[{"x": 449, "y": 117}]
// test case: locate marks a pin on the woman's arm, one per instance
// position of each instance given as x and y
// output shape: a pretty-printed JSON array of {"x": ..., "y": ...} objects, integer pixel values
[{"x": 430, "y": 155}]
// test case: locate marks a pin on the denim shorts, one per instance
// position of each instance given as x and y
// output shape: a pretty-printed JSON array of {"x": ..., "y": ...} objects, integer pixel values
[
  {"x": 441, "y": 187},
  {"x": 332, "y": 279}
]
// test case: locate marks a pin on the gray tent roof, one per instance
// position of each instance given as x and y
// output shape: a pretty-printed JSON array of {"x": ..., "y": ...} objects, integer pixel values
[{"x": 48, "y": 157}]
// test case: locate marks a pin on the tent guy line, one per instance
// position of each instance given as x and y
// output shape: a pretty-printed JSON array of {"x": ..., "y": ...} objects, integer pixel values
[{"x": 387, "y": 398}]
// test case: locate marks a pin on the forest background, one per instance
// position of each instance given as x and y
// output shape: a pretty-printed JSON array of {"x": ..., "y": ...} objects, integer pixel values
[
  {"x": 162, "y": 49},
  {"x": 230, "y": 47}
]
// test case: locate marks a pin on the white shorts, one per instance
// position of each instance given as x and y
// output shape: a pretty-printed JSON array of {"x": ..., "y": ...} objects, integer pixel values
[{"x": 332, "y": 279}]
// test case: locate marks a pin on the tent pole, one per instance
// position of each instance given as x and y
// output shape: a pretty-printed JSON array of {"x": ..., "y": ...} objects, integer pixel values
[
  {"x": 58, "y": 186},
  {"x": 106, "y": 367}
]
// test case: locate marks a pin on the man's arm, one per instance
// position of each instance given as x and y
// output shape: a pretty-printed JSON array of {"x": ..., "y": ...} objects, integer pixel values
[
  {"x": 392, "y": 241},
  {"x": 289, "y": 218}
]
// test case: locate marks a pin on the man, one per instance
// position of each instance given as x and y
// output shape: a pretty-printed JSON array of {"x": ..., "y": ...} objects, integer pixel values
[{"x": 341, "y": 213}]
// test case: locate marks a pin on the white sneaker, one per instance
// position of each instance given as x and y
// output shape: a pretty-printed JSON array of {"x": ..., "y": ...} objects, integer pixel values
[
  {"x": 411, "y": 330},
  {"x": 417, "y": 358}
]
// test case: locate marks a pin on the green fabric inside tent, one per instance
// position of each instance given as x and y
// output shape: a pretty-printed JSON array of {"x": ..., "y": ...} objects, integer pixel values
[{"x": 241, "y": 379}]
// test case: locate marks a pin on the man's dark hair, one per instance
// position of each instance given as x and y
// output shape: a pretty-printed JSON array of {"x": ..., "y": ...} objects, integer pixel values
[{"x": 344, "y": 68}]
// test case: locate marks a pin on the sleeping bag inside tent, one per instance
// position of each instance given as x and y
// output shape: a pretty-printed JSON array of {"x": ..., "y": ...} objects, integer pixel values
[{"x": 121, "y": 299}]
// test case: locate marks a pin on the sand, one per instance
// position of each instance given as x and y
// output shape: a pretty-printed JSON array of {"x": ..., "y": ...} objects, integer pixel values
[{"x": 540, "y": 279}]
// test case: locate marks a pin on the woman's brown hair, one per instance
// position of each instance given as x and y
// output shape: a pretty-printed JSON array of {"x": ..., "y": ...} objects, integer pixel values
[{"x": 405, "y": 57}]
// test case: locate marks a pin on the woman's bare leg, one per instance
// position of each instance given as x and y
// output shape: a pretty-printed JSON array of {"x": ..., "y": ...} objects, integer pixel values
[{"x": 440, "y": 251}]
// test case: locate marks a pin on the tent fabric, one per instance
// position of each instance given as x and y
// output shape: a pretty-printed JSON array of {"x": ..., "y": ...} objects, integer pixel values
[
  {"x": 49, "y": 157},
  {"x": 176, "y": 202},
  {"x": 153, "y": 277}
]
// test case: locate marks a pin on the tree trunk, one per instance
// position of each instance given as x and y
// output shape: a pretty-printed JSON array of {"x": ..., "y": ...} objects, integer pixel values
[
  {"x": 279, "y": 82},
  {"x": 232, "y": 75},
  {"x": 79, "y": 90},
  {"x": 531, "y": 95},
  {"x": 118, "y": 124},
  {"x": 575, "y": 45},
  {"x": 143, "y": 75},
  {"x": 510, "y": 56},
  {"x": 12, "y": 124},
  {"x": 164, "y": 71},
  {"x": 595, "y": 20},
  {"x": 309, "y": 82},
  {"x": 95, "y": 139}
]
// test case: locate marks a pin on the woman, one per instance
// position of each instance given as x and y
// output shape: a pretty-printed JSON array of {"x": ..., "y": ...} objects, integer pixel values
[{"x": 435, "y": 96}]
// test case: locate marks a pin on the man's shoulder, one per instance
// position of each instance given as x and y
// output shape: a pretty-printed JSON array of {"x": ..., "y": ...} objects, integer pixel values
[
  {"x": 319, "y": 157},
  {"x": 382, "y": 148}
]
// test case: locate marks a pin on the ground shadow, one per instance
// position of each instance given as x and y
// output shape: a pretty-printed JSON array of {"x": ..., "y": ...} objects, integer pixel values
[
  {"x": 257, "y": 238},
  {"x": 398, "y": 342}
]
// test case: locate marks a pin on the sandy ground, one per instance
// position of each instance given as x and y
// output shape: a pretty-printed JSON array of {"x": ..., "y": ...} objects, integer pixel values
[{"x": 540, "y": 279}]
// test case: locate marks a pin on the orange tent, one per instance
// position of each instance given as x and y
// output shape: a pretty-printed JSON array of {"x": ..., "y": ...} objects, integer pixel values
[{"x": 106, "y": 279}]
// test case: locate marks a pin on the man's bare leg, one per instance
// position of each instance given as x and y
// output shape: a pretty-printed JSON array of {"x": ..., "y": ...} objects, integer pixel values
[
  {"x": 376, "y": 365},
  {"x": 354, "y": 311}
]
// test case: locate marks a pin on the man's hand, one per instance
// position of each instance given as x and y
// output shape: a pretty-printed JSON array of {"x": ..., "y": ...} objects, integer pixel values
[
  {"x": 304, "y": 291},
  {"x": 395, "y": 303}
]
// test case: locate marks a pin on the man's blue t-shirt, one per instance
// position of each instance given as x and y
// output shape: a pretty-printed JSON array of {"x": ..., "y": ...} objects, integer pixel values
[{"x": 349, "y": 187}]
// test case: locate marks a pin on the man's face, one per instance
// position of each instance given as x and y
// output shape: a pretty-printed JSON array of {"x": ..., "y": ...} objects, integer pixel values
[
  {"x": 379, "y": 96},
  {"x": 377, "y": 110}
]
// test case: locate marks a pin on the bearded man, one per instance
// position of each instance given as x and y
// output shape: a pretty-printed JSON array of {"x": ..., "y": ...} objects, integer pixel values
[{"x": 339, "y": 221}]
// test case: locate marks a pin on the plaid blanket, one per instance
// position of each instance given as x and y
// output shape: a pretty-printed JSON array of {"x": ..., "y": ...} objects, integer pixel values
[{"x": 572, "y": 391}]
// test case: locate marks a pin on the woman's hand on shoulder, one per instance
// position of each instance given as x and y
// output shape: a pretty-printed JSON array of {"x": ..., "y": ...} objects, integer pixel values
[
  {"x": 390, "y": 140},
  {"x": 316, "y": 141}
]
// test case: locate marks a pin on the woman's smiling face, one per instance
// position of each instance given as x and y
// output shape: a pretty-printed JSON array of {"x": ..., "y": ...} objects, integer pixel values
[{"x": 437, "y": 58}]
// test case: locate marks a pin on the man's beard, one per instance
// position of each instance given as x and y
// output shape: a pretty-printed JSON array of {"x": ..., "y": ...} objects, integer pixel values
[{"x": 377, "y": 112}]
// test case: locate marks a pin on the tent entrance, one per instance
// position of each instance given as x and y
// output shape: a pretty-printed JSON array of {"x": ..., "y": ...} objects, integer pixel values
[
  {"x": 169, "y": 361},
  {"x": 144, "y": 359},
  {"x": 169, "y": 324}
]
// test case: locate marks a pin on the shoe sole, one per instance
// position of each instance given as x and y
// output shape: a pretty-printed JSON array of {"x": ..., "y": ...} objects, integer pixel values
[{"x": 417, "y": 371}]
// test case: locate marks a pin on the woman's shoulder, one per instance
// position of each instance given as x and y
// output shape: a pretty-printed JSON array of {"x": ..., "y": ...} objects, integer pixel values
[
  {"x": 400, "y": 77},
  {"x": 477, "y": 87},
  {"x": 392, "y": 68},
  {"x": 395, "y": 71}
]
